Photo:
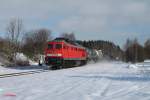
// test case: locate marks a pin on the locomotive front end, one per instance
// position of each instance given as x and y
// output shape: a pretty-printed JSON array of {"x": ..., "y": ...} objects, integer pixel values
[{"x": 53, "y": 54}]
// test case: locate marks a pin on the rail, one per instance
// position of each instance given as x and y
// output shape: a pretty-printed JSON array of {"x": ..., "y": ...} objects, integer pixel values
[{"x": 22, "y": 73}]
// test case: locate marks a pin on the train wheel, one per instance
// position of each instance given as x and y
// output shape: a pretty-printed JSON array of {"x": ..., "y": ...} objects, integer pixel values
[
  {"x": 67, "y": 64},
  {"x": 54, "y": 67},
  {"x": 78, "y": 63},
  {"x": 84, "y": 62}
]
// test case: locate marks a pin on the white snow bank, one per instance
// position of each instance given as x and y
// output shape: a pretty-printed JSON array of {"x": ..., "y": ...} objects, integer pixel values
[
  {"x": 133, "y": 66},
  {"x": 21, "y": 57},
  {"x": 147, "y": 60},
  {"x": 32, "y": 62},
  {"x": 1, "y": 64}
]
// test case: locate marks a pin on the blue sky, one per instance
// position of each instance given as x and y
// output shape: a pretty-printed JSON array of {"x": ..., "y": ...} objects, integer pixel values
[{"x": 113, "y": 20}]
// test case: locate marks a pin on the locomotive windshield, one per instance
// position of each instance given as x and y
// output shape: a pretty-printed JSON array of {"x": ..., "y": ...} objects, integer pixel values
[
  {"x": 50, "y": 46},
  {"x": 58, "y": 46}
]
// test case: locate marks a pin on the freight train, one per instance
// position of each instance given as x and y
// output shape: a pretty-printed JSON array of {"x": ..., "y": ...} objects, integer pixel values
[{"x": 64, "y": 53}]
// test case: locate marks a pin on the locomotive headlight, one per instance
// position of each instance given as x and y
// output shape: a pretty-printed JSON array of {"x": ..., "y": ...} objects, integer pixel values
[
  {"x": 49, "y": 55},
  {"x": 59, "y": 54}
]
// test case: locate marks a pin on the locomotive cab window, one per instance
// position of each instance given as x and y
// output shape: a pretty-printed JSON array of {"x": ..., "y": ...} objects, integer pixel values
[
  {"x": 58, "y": 46},
  {"x": 50, "y": 46}
]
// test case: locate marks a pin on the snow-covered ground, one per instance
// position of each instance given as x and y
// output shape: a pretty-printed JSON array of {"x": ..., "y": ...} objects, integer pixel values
[
  {"x": 7, "y": 70},
  {"x": 100, "y": 81},
  {"x": 19, "y": 57}
]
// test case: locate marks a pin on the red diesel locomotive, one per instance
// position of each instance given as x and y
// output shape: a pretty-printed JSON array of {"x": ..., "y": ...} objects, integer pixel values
[{"x": 63, "y": 53}]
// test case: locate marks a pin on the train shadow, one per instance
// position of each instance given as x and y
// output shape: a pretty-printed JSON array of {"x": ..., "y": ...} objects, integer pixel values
[{"x": 141, "y": 78}]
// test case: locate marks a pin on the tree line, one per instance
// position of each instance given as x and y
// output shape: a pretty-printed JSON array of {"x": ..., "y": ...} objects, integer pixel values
[
  {"x": 32, "y": 44},
  {"x": 109, "y": 49},
  {"x": 135, "y": 52}
]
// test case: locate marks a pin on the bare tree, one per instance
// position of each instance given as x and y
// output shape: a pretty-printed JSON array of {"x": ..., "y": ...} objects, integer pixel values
[
  {"x": 14, "y": 32},
  {"x": 134, "y": 52},
  {"x": 147, "y": 49},
  {"x": 41, "y": 37},
  {"x": 127, "y": 44},
  {"x": 35, "y": 42}
]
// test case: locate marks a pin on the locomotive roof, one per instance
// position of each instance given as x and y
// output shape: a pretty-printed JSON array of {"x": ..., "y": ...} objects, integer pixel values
[
  {"x": 62, "y": 39},
  {"x": 67, "y": 41}
]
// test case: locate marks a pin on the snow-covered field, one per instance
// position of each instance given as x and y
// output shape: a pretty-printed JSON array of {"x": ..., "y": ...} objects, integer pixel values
[
  {"x": 19, "y": 57},
  {"x": 7, "y": 70},
  {"x": 100, "y": 81}
]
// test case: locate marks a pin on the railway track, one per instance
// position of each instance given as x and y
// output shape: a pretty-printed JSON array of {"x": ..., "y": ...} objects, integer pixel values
[{"x": 22, "y": 73}]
